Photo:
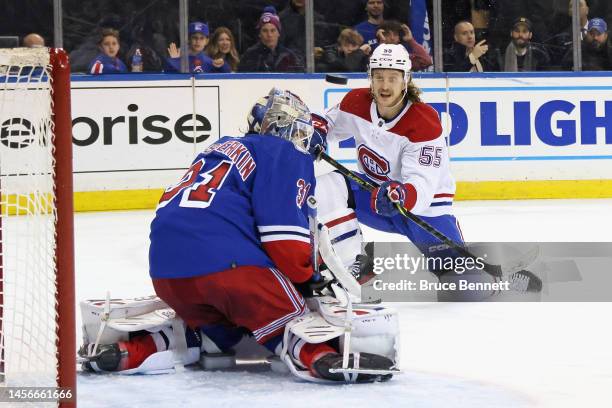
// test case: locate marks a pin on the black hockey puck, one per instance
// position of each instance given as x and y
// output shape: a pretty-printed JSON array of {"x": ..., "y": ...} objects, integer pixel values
[{"x": 336, "y": 79}]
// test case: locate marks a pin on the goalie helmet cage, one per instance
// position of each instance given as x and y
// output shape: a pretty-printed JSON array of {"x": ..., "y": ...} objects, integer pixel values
[{"x": 37, "y": 298}]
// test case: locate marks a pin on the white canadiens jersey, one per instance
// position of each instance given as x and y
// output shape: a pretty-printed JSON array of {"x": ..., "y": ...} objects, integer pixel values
[{"x": 409, "y": 149}]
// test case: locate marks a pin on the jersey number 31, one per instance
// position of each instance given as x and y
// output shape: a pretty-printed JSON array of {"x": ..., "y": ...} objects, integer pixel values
[{"x": 197, "y": 194}]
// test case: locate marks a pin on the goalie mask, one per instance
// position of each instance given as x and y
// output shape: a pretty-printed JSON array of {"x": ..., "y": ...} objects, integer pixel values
[{"x": 282, "y": 114}]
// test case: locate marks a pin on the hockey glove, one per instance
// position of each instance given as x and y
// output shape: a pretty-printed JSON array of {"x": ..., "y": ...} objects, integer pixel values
[
  {"x": 319, "y": 137},
  {"x": 312, "y": 286},
  {"x": 385, "y": 197}
]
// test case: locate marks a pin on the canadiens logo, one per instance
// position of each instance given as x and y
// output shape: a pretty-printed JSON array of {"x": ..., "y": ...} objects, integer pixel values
[{"x": 375, "y": 166}]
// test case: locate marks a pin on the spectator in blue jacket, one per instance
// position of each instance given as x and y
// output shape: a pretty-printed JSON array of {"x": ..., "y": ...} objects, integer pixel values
[
  {"x": 107, "y": 61},
  {"x": 368, "y": 28},
  {"x": 199, "y": 62}
]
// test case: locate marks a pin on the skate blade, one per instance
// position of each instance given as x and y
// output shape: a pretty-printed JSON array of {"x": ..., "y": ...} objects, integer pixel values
[{"x": 393, "y": 371}]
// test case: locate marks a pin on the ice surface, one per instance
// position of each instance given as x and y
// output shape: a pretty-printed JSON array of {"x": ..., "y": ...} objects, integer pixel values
[{"x": 453, "y": 355}]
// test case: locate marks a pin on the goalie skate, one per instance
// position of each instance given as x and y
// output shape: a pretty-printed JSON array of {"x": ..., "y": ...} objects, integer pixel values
[
  {"x": 107, "y": 358},
  {"x": 367, "y": 368}
]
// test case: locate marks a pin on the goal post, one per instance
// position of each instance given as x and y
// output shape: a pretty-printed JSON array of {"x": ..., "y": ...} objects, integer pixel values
[{"x": 37, "y": 288}]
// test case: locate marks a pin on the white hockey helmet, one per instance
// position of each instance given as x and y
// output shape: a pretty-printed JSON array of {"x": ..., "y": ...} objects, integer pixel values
[
  {"x": 390, "y": 56},
  {"x": 283, "y": 114}
]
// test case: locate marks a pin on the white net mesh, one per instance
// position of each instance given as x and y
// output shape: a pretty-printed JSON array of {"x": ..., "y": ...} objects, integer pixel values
[{"x": 27, "y": 221}]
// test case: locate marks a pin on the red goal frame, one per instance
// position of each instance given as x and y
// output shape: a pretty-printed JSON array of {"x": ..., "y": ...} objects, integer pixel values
[{"x": 64, "y": 226}]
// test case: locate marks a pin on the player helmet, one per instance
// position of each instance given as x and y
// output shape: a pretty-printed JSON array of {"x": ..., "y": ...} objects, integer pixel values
[
  {"x": 391, "y": 56},
  {"x": 283, "y": 114}
]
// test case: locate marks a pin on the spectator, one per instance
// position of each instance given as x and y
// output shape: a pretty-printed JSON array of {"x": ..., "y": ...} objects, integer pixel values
[
  {"x": 268, "y": 55},
  {"x": 293, "y": 35},
  {"x": 368, "y": 28},
  {"x": 143, "y": 40},
  {"x": 222, "y": 49},
  {"x": 465, "y": 55},
  {"x": 33, "y": 40},
  {"x": 350, "y": 54},
  {"x": 392, "y": 32},
  {"x": 506, "y": 12},
  {"x": 107, "y": 61},
  {"x": 562, "y": 19},
  {"x": 521, "y": 54},
  {"x": 478, "y": 12},
  {"x": 560, "y": 44},
  {"x": 596, "y": 48},
  {"x": 199, "y": 62}
]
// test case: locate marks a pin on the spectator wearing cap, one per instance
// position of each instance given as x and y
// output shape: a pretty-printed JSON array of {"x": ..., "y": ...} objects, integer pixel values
[
  {"x": 392, "y": 32},
  {"x": 521, "y": 54},
  {"x": 375, "y": 10},
  {"x": 268, "y": 55},
  {"x": 596, "y": 48},
  {"x": 199, "y": 62}
]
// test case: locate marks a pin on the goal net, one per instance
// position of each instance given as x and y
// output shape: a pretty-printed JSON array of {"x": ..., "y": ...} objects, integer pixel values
[{"x": 37, "y": 337}]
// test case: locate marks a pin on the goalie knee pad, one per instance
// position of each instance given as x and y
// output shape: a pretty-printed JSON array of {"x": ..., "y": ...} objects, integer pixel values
[
  {"x": 333, "y": 192},
  {"x": 344, "y": 234},
  {"x": 336, "y": 211}
]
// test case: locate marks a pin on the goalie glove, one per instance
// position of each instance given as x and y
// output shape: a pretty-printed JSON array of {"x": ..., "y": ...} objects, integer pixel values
[
  {"x": 316, "y": 284},
  {"x": 388, "y": 195}
]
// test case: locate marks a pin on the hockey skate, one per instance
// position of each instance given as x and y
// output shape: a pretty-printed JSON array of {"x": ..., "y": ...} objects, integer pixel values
[
  {"x": 106, "y": 358},
  {"x": 369, "y": 368},
  {"x": 363, "y": 269},
  {"x": 119, "y": 356},
  {"x": 525, "y": 281}
]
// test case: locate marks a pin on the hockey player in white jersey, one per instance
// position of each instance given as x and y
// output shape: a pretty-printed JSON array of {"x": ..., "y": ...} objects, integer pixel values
[{"x": 400, "y": 148}]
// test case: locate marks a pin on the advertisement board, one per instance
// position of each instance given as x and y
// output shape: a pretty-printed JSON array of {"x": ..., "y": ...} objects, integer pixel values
[{"x": 536, "y": 132}]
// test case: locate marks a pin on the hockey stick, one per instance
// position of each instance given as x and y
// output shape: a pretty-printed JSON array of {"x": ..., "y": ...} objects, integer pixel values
[
  {"x": 496, "y": 271},
  {"x": 314, "y": 236}
]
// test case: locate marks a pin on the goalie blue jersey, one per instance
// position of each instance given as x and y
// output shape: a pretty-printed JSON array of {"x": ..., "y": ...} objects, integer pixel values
[{"x": 242, "y": 202}]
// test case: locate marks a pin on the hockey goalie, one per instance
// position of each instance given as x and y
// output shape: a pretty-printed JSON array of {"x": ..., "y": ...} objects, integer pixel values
[{"x": 234, "y": 255}]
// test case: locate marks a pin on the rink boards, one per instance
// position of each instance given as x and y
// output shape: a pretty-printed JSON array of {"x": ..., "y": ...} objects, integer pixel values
[{"x": 511, "y": 136}]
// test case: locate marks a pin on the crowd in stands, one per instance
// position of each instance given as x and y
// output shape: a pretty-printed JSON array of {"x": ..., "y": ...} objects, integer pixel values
[{"x": 114, "y": 36}]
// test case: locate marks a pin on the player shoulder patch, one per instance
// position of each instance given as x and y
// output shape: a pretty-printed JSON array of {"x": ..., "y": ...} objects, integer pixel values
[
  {"x": 302, "y": 193},
  {"x": 374, "y": 165},
  {"x": 420, "y": 123},
  {"x": 357, "y": 102}
]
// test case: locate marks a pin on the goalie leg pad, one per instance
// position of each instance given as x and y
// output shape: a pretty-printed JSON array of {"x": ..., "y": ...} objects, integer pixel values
[
  {"x": 109, "y": 327},
  {"x": 366, "y": 329}
]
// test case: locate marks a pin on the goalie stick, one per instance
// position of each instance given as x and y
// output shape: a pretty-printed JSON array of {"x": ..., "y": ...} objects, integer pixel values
[{"x": 497, "y": 271}]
